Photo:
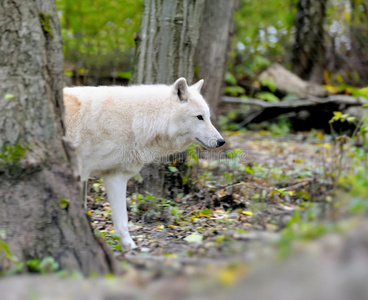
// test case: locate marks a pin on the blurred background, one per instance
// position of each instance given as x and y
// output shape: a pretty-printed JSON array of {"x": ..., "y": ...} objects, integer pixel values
[{"x": 301, "y": 35}]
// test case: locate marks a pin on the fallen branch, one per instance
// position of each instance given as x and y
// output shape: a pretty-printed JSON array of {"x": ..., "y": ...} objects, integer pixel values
[
  {"x": 298, "y": 102},
  {"x": 307, "y": 111}
]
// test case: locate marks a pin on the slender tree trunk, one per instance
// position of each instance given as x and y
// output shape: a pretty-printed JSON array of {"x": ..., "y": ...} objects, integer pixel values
[
  {"x": 358, "y": 60},
  {"x": 212, "y": 50},
  {"x": 40, "y": 200},
  {"x": 308, "y": 52},
  {"x": 166, "y": 47},
  {"x": 167, "y": 41}
]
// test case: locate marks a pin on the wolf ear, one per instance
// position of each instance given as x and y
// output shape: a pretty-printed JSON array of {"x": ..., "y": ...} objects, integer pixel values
[
  {"x": 198, "y": 85},
  {"x": 181, "y": 89}
]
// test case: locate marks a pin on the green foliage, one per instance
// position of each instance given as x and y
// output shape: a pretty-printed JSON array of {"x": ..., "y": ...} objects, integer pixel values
[
  {"x": 155, "y": 205},
  {"x": 280, "y": 126},
  {"x": 9, "y": 96},
  {"x": 234, "y": 90},
  {"x": 267, "y": 96},
  {"x": 99, "y": 33},
  {"x": 96, "y": 187},
  {"x": 11, "y": 155},
  {"x": 339, "y": 116},
  {"x": 269, "y": 83},
  {"x": 302, "y": 227},
  {"x": 230, "y": 160},
  {"x": 231, "y": 86},
  {"x": 192, "y": 154},
  {"x": 259, "y": 63},
  {"x": 173, "y": 169},
  {"x": 358, "y": 205},
  {"x": 226, "y": 124},
  {"x": 45, "y": 20},
  {"x": 206, "y": 212},
  {"x": 110, "y": 238},
  {"x": 125, "y": 75},
  {"x": 46, "y": 265},
  {"x": 361, "y": 131},
  {"x": 263, "y": 34},
  {"x": 230, "y": 78},
  {"x": 11, "y": 265},
  {"x": 64, "y": 203}
]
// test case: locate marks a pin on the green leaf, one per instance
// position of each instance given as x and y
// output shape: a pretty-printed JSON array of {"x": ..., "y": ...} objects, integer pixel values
[
  {"x": 115, "y": 237},
  {"x": 64, "y": 203},
  {"x": 266, "y": 96},
  {"x": 249, "y": 170},
  {"x": 194, "y": 238},
  {"x": 234, "y": 90},
  {"x": 173, "y": 169},
  {"x": 351, "y": 119},
  {"x": 9, "y": 96},
  {"x": 269, "y": 83},
  {"x": 33, "y": 265},
  {"x": 230, "y": 78},
  {"x": 48, "y": 264},
  {"x": 125, "y": 75},
  {"x": 5, "y": 247},
  {"x": 206, "y": 212},
  {"x": 96, "y": 187}
]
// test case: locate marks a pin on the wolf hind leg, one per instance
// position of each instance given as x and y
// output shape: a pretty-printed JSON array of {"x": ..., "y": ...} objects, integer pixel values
[{"x": 115, "y": 185}]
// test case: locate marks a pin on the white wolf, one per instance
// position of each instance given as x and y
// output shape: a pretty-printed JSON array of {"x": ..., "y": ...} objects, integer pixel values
[{"x": 116, "y": 130}]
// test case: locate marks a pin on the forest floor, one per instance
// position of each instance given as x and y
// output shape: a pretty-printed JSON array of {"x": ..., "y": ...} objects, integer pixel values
[
  {"x": 263, "y": 198},
  {"x": 248, "y": 193},
  {"x": 270, "y": 218}
]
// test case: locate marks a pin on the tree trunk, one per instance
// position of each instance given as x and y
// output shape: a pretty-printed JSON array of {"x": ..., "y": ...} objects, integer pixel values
[
  {"x": 40, "y": 200},
  {"x": 213, "y": 45},
  {"x": 166, "y": 47},
  {"x": 358, "y": 60},
  {"x": 167, "y": 41},
  {"x": 308, "y": 52}
]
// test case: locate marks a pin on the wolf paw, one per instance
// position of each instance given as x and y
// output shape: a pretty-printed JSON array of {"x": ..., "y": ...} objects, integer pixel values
[{"x": 128, "y": 244}]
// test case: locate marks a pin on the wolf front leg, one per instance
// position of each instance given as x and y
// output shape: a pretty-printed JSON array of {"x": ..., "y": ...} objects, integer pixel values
[{"x": 115, "y": 185}]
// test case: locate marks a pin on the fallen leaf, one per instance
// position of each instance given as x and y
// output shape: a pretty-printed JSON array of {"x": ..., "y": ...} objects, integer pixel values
[
  {"x": 194, "y": 238},
  {"x": 160, "y": 227}
]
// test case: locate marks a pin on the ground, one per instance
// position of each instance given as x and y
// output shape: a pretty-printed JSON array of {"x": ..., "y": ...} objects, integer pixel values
[
  {"x": 246, "y": 195},
  {"x": 269, "y": 217}
]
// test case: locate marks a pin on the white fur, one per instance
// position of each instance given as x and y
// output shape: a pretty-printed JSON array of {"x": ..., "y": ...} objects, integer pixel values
[{"x": 116, "y": 130}]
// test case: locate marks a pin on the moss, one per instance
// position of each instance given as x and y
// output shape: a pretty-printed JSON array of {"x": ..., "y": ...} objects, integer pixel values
[
  {"x": 11, "y": 155},
  {"x": 45, "y": 20}
]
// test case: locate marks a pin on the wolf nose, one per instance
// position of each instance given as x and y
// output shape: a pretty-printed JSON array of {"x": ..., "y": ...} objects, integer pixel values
[{"x": 220, "y": 142}]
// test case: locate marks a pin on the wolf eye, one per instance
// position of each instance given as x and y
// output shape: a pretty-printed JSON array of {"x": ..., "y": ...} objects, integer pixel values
[{"x": 200, "y": 117}]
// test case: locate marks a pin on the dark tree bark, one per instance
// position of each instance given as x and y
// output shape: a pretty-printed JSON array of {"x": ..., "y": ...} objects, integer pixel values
[
  {"x": 166, "y": 47},
  {"x": 308, "y": 52},
  {"x": 40, "y": 200},
  {"x": 213, "y": 45},
  {"x": 359, "y": 42}
]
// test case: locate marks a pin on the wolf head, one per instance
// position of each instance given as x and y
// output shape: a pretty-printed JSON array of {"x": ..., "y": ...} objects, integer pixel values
[{"x": 192, "y": 115}]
